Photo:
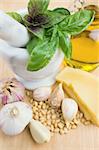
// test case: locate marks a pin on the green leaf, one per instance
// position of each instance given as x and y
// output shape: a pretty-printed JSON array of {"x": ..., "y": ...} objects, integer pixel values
[
  {"x": 78, "y": 22},
  {"x": 32, "y": 44},
  {"x": 65, "y": 44},
  {"x": 63, "y": 11},
  {"x": 49, "y": 32},
  {"x": 15, "y": 16},
  {"x": 36, "y": 21},
  {"x": 54, "y": 33},
  {"x": 42, "y": 54},
  {"x": 37, "y": 31},
  {"x": 28, "y": 20},
  {"x": 36, "y": 7},
  {"x": 54, "y": 18}
]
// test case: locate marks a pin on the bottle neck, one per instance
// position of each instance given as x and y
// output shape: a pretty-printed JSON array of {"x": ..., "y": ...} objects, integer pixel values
[
  {"x": 95, "y": 23},
  {"x": 95, "y": 8}
]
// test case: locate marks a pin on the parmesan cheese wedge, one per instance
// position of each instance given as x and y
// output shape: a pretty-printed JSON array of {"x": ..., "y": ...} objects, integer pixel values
[{"x": 84, "y": 88}]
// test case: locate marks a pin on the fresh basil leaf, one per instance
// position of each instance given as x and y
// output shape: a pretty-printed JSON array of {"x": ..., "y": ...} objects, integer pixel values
[
  {"x": 36, "y": 7},
  {"x": 49, "y": 32},
  {"x": 54, "y": 18},
  {"x": 42, "y": 54},
  {"x": 37, "y": 31},
  {"x": 78, "y": 22},
  {"x": 28, "y": 20},
  {"x": 32, "y": 44},
  {"x": 63, "y": 11},
  {"x": 65, "y": 44},
  {"x": 40, "y": 20},
  {"x": 54, "y": 33},
  {"x": 36, "y": 21},
  {"x": 15, "y": 16}
]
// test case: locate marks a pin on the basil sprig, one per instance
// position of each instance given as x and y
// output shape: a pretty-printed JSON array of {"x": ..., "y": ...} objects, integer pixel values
[
  {"x": 50, "y": 30},
  {"x": 57, "y": 35},
  {"x": 39, "y": 17}
]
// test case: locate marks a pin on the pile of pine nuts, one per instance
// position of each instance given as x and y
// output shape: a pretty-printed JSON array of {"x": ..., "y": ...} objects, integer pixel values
[{"x": 53, "y": 118}]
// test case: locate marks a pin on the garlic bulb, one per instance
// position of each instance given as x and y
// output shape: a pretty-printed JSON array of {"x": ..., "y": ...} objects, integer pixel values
[
  {"x": 57, "y": 96},
  {"x": 42, "y": 93},
  {"x": 39, "y": 132},
  {"x": 69, "y": 109},
  {"x": 14, "y": 117},
  {"x": 11, "y": 91}
]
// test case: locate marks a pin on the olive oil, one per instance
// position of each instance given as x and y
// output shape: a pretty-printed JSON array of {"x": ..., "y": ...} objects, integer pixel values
[{"x": 85, "y": 53}]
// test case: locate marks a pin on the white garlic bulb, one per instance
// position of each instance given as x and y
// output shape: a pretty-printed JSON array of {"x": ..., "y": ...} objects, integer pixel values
[
  {"x": 14, "y": 117},
  {"x": 42, "y": 93},
  {"x": 11, "y": 90},
  {"x": 57, "y": 96},
  {"x": 39, "y": 132},
  {"x": 69, "y": 109}
]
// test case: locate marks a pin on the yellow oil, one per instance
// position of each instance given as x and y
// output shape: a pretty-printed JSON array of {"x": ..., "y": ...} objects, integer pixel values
[{"x": 85, "y": 54}]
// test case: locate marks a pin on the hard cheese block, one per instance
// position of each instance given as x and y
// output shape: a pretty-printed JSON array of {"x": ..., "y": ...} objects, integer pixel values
[{"x": 84, "y": 88}]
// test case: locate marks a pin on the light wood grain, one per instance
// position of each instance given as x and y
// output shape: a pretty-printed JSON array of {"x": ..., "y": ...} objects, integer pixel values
[
  {"x": 82, "y": 138},
  {"x": 10, "y": 5}
]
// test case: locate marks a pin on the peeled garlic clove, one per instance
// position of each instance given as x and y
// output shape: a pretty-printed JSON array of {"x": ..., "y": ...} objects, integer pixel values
[
  {"x": 39, "y": 132},
  {"x": 42, "y": 93},
  {"x": 69, "y": 109},
  {"x": 14, "y": 117},
  {"x": 11, "y": 90},
  {"x": 57, "y": 96}
]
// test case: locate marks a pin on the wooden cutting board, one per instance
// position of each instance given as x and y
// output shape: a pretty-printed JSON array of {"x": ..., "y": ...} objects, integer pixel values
[{"x": 82, "y": 138}]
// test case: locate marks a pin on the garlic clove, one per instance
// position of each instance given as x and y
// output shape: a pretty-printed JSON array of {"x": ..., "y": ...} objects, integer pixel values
[
  {"x": 11, "y": 90},
  {"x": 69, "y": 109},
  {"x": 14, "y": 117},
  {"x": 42, "y": 93},
  {"x": 39, "y": 132},
  {"x": 94, "y": 35},
  {"x": 57, "y": 96}
]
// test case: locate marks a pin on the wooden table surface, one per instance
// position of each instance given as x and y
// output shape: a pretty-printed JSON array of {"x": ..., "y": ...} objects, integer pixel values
[{"x": 82, "y": 138}]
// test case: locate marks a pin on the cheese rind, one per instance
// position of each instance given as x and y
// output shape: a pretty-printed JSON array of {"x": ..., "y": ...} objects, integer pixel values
[{"x": 84, "y": 88}]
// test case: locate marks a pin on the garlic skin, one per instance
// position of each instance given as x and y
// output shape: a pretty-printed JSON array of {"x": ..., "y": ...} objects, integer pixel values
[
  {"x": 15, "y": 117},
  {"x": 69, "y": 109},
  {"x": 57, "y": 96},
  {"x": 11, "y": 91},
  {"x": 94, "y": 35},
  {"x": 42, "y": 93},
  {"x": 39, "y": 132}
]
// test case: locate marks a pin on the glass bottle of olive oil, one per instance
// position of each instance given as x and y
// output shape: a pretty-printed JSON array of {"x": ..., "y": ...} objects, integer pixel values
[{"x": 85, "y": 53}]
